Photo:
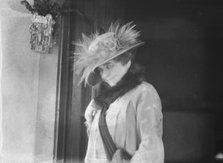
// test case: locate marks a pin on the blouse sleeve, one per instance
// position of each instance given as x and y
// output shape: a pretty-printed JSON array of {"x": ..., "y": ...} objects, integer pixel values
[
  {"x": 89, "y": 115},
  {"x": 149, "y": 128}
]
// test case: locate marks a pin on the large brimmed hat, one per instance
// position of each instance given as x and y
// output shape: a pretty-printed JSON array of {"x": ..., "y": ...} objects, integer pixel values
[{"x": 95, "y": 50}]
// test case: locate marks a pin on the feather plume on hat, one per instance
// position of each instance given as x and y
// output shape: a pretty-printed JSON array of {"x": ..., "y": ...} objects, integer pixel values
[{"x": 96, "y": 49}]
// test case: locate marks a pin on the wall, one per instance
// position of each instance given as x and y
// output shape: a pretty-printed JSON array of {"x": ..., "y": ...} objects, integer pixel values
[{"x": 28, "y": 82}]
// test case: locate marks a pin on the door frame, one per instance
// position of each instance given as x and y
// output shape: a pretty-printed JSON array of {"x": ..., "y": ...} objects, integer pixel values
[{"x": 64, "y": 78}]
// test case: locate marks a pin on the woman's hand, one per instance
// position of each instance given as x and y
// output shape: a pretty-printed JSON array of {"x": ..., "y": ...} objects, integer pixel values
[
  {"x": 117, "y": 157},
  {"x": 120, "y": 156}
]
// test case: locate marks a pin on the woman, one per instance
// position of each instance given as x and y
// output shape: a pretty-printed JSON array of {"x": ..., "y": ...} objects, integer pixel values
[{"x": 124, "y": 122}]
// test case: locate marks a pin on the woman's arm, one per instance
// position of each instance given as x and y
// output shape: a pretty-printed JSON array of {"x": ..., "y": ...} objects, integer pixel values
[{"x": 149, "y": 128}]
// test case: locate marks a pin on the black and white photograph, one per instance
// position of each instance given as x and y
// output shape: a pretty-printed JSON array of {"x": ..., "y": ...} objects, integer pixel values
[{"x": 111, "y": 81}]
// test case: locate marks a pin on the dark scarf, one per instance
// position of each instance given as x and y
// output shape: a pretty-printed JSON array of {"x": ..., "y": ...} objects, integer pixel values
[{"x": 108, "y": 95}]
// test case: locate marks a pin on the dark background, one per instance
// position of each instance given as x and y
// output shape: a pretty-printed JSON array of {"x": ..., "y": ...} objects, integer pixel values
[{"x": 183, "y": 55}]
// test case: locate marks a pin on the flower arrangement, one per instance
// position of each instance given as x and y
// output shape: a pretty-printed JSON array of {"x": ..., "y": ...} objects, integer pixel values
[
  {"x": 44, "y": 15},
  {"x": 43, "y": 7}
]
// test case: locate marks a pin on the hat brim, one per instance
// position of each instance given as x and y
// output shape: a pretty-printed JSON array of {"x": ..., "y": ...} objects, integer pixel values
[{"x": 119, "y": 53}]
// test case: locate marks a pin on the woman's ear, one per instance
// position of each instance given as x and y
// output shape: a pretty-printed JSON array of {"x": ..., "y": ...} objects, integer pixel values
[{"x": 94, "y": 78}]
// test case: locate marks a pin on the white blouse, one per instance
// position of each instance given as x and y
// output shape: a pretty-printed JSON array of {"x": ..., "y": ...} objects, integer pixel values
[{"x": 135, "y": 124}]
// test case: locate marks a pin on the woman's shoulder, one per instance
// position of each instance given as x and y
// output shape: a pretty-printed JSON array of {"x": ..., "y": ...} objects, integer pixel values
[
  {"x": 143, "y": 95},
  {"x": 145, "y": 87}
]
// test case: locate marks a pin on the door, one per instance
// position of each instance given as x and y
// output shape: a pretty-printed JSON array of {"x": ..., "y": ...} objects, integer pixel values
[{"x": 81, "y": 16}]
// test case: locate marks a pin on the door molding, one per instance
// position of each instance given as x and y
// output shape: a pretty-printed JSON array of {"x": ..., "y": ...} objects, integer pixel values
[{"x": 64, "y": 94}]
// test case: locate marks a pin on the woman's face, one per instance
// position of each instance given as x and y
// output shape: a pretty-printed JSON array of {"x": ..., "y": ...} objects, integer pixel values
[{"x": 112, "y": 71}]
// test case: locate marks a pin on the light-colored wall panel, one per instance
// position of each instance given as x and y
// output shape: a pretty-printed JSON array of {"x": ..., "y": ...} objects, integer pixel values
[{"x": 28, "y": 91}]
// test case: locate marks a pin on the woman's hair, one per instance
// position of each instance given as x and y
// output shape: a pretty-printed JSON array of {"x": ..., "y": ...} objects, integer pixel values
[{"x": 126, "y": 57}]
